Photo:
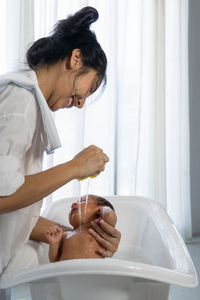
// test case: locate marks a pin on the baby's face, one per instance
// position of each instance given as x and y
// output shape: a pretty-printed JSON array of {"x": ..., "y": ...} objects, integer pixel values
[{"x": 83, "y": 212}]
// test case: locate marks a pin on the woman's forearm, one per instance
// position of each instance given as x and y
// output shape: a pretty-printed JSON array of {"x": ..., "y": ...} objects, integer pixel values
[
  {"x": 39, "y": 231},
  {"x": 90, "y": 160},
  {"x": 38, "y": 186}
]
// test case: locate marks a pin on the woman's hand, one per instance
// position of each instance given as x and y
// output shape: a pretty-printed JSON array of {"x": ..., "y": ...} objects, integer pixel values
[
  {"x": 107, "y": 236},
  {"x": 90, "y": 161}
]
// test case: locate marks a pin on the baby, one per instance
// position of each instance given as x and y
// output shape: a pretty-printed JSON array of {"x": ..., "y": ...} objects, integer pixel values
[{"x": 77, "y": 242}]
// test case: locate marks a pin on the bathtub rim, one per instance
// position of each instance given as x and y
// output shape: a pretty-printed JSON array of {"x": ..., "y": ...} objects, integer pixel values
[{"x": 108, "y": 266}]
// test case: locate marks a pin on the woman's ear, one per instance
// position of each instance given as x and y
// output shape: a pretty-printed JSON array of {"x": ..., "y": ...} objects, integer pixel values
[{"x": 75, "y": 61}]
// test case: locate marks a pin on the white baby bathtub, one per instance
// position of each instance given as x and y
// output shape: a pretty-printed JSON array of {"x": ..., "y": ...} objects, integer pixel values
[{"x": 151, "y": 256}]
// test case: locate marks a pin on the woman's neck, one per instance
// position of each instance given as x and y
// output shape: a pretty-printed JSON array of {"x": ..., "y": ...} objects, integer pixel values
[
  {"x": 47, "y": 77},
  {"x": 45, "y": 80}
]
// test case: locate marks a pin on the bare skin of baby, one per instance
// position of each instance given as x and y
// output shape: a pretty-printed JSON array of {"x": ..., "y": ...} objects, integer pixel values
[{"x": 77, "y": 242}]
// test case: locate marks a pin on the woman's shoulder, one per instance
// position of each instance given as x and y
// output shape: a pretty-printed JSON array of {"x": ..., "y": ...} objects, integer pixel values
[{"x": 15, "y": 97}]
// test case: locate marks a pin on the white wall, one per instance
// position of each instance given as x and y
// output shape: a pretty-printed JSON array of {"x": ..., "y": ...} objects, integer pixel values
[{"x": 194, "y": 93}]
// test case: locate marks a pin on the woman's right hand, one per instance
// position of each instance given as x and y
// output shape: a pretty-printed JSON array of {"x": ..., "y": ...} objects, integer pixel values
[{"x": 90, "y": 161}]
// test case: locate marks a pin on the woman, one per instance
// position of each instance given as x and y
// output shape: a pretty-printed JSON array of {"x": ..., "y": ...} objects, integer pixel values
[{"x": 65, "y": 68}]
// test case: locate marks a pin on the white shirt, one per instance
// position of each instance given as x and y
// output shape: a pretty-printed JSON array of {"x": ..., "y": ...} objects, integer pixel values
[{"x": 26, "y": 129}]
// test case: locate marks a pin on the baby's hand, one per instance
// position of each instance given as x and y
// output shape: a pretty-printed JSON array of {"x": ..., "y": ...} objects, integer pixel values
[{"x": 54, "y": 235}]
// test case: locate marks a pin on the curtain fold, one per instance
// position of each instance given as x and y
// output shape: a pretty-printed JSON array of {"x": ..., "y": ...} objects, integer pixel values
[
  {"x": 177, "y": 116},
  {"x": 160, "y": 115},
  {"x": 142, "y": 118},
  {"x": 19, "y": 31}
]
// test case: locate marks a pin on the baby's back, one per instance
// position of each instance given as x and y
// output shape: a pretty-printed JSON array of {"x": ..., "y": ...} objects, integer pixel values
[{"x": 79, "y": 245}]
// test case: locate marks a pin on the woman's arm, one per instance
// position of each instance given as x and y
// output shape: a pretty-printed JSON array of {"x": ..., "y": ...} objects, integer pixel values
[
  {"x": 39, "y": 231},
  {"x": 37, "y": 186}
]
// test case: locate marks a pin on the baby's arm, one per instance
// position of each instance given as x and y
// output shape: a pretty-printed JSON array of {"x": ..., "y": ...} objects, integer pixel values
[
  {"x": 54, "y": 237},
  {"x": 108, "y": 215}
]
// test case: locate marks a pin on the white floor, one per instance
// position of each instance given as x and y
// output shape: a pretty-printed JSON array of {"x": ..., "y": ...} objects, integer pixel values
[{"x": 179, "y": 293}]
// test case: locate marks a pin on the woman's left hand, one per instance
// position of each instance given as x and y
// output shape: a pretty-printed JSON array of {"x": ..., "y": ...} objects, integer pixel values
[{"x": 107, "y": 236}]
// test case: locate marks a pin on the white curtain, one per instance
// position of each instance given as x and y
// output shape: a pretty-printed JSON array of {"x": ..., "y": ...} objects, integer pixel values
[
  {"x": 141, "y": 120},
  {"x": 16, "y": 31}
]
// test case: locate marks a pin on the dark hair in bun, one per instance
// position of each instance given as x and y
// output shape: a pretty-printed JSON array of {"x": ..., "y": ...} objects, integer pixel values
[
  {"x": 69, "y": 34},
  {"x": 80, "y": 20}
]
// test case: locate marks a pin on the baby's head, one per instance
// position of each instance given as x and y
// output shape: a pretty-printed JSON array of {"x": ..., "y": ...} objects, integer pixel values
[{"x": 87, "y": 210}]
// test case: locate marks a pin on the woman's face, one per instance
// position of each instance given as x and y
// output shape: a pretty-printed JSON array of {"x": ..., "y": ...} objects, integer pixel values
[{"x": 72, "y": 90}]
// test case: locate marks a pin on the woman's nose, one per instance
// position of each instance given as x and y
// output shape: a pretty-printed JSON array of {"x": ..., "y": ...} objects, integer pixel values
[{"x": 80, "y": 103}]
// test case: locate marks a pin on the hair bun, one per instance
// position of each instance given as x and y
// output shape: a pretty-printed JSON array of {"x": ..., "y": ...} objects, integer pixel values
[
  {"x": 74, "y": 24},
  {"x": 85, "y": 17}
]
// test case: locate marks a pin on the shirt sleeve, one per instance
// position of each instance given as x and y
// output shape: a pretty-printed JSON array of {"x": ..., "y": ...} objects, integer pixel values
[
  {"x": 16, "y": 133},
  {"x": 10, "y": 174}
]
